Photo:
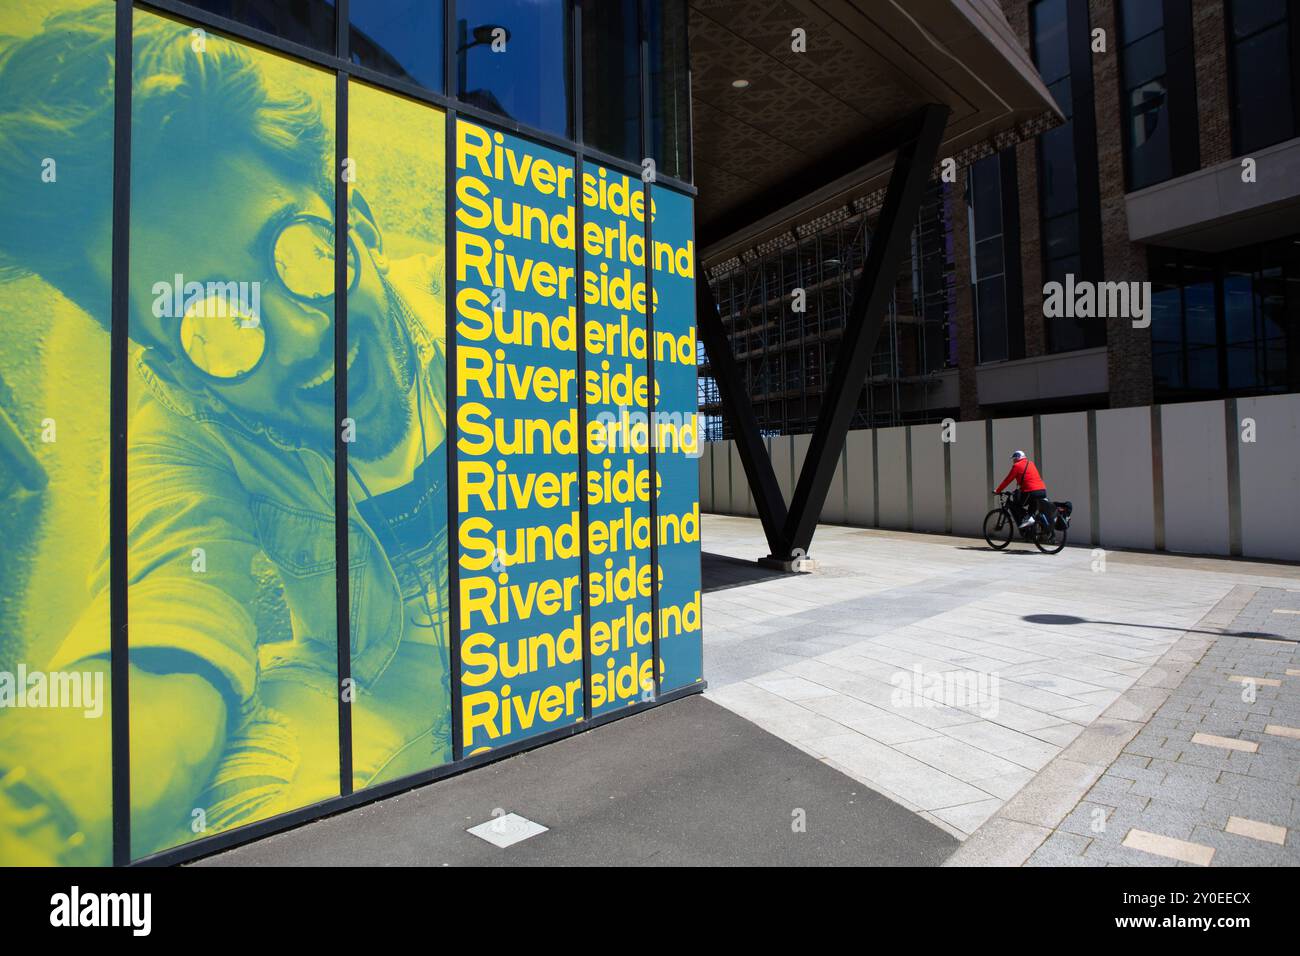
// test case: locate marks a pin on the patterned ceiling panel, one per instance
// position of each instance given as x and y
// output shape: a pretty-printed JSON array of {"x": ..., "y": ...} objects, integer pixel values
[
  {"x": 803, "y": 107},
  {"x": 836, "y": 62},
  {"x": 798, "y": 106}
]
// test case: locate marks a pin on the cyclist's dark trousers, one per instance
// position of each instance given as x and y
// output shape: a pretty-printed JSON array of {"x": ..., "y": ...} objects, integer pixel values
[{"x": 1028, "y": 502}]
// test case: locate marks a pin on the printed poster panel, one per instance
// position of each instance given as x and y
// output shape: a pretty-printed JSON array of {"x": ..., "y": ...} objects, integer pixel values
[
  {"x": 676, "y": 433},
  {"x": 56, "y": 206},
  {"x": 234, "y": 688},
  {"x": 397, "y": 400},
  {"x": 519, "y": 536},
  {"x": 619, "y": 483}
]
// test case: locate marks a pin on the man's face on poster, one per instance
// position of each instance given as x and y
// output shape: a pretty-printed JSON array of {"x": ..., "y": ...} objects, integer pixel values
[{"x": 235, "y": 220}]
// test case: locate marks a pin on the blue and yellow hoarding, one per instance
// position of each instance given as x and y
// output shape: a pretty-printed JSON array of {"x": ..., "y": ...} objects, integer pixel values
[{"x": 519, "y": 431}]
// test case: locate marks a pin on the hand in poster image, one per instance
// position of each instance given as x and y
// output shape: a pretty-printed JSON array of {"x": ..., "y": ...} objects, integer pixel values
[{"x": 233, "y": 651}]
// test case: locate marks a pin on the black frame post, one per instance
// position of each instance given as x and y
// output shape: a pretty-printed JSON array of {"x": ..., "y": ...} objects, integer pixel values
[
  {"x": 343, "y": 619},
  {"x": 450, "y": 63},
  {"x": 119, "y": 372},
  {"x": 912, "y": 166},
  {"x": 652, "y": 409},
  {"x": 580, "y": 311}
]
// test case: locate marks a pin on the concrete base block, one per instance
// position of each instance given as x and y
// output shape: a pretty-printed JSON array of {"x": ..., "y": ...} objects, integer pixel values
[{"x": 794, "y": 566}]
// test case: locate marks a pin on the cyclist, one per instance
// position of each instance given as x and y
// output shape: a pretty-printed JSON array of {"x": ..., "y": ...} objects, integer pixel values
[{"x": 1031, "y": 491}]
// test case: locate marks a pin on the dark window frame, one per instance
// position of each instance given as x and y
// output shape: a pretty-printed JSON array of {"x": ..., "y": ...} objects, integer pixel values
[
  {"x": 1180, "y": 89},
  {"x": 1293, "y": 48},
  {"x": 1012, "y": 274},
  {"x": 1083, "y": 122},
  {"x": 1215, "y": 271}
]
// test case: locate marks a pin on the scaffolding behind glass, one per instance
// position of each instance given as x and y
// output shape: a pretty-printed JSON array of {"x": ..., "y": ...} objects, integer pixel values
[{"x": 786, "y": 353}]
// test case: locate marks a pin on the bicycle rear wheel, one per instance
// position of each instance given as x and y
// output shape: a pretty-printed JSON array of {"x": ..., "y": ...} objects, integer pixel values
[
  {"x": 998, "y": 528},
  {"x": 1050, "y": 542}
]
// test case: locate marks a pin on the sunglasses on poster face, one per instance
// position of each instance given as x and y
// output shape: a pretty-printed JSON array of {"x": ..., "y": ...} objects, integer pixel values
[{"x": 228, "y": 343}]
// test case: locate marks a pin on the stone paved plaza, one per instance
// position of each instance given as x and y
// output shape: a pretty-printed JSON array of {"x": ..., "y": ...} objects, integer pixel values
[
  {"x": 993, "y": 692},
  {"x": 1213, "y": 776}
]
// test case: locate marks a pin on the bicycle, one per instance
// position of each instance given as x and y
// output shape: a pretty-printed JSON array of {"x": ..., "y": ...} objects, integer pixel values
[{"x": 1000, "y": 525}]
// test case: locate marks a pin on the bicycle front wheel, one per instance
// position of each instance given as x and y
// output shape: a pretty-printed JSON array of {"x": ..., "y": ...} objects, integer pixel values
[{"x": 998, "y": 528}]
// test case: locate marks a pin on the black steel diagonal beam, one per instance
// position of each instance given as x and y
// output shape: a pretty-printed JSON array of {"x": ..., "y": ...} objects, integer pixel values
[
  {"x": 739, "y": 413},
  {"x": 889, "y": 244}
]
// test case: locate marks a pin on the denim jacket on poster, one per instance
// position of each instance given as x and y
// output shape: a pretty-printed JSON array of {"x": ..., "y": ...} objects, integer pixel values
[{"x": 200, "y": 478}]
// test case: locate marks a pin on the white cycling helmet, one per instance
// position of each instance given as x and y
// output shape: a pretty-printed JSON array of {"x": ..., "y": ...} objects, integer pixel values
[{"x": 1017, "y": 455}]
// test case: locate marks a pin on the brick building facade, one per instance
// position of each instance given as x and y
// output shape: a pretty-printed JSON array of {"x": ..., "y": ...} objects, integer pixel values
[
  {"x": 1141, "y": 184},
  {"x": 1130, "y": 379}
]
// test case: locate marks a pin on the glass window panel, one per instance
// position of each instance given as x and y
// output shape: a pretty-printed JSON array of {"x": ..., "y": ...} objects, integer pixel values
[
  {"x": 1202, "y": 336},
  {"x": 1244, "y": 365},
  {"x": 1058, "y": 269},
  {"x": 1063, "y": 93},
  {"x": 1239, "y": 308},
  {"x": 1060, "y": 178},
  {"x": 1166, "y": 368},
  {"x": 1150, "y": 155},
  {"x": 1140, "y": 17},
  {"x": 986, "y": 197},
  {"x": 611, "y": 79},
  {"x": 512, "y": 58},
  {"x": 1242, "y": 332},
  {"x": 1167, "y": 338},
  {"x": 1275, "y": 364},
  {"x": 1051, "y": 39},
  {"x": 400, "y": 38},
  {"x": 1261, "y": 109},
  {"x": 670, "y": 89},
  {"x": 992, "y": 317},
  {"x": 1144, "y": 60},
  {"x": 1251, "y": 16},
  {"x": 989, "y": 253},
  {"x": 1067, "y": 334},
  {"x": 1062, "y": 236},
  {"x": 309, "y": 22}
]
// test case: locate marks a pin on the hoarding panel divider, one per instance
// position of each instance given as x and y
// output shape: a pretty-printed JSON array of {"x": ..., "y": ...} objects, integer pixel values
[
  {"x": 453, "y": 491},
  {"x": 652, "y": 399},
  {"x": 343, "y": 626},
  {"x": 579, "y": 266},
  {"x": 119, "y": 370}
]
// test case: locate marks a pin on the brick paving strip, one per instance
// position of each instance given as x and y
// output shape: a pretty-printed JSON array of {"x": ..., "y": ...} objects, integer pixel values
[{"x": 1196, "y": 764}]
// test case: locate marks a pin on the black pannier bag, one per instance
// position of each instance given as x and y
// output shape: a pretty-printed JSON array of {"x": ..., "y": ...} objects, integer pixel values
[{"x": 1063, "y": 511}]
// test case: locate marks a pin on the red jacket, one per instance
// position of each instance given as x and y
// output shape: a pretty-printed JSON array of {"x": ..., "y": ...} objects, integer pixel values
[{"x": 1025, "y": 475}]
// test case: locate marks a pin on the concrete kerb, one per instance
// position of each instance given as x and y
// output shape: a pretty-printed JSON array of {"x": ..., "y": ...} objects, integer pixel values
[{"x": 1010, "y": 836}]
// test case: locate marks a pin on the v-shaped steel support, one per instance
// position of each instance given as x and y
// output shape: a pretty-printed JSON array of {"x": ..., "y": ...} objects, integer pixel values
[
  {"x": 739, "y": 412},
  {"x": 790, "y": 532}
]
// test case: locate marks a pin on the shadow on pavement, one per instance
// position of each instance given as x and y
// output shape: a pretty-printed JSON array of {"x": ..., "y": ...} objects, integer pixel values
[
  {"x": 1029, "y": 549},
  {"x": 721, "y": 571},
  {"x": 1070, "y": 619}
]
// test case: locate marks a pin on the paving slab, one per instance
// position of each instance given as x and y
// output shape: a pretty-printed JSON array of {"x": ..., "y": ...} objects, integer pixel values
[
  {"x": 944, "y": 664},
  {"x": 1215, "y": 787}
]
